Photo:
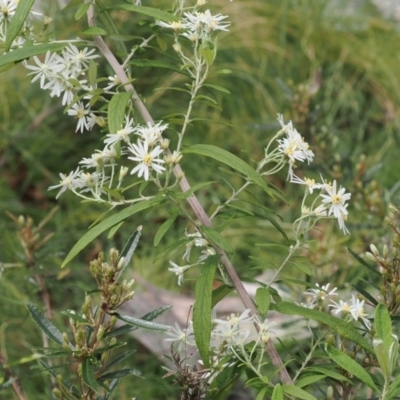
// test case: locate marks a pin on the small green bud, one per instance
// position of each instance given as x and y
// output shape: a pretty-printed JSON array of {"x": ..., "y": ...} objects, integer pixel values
[
  {"x": 385, "y": 251},
  {"x": 113, "y": 256},
  {"x": 100, "y": 332},
  {"x": 374, "y": 250},
  {"x": 57, "y": 393},
  {"x": 329, "y": 393}
]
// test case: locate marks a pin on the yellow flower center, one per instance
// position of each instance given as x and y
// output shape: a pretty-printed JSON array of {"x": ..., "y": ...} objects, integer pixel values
[
  {"x": 335, "y": 199},
  {"x": 148, "y": 159}
]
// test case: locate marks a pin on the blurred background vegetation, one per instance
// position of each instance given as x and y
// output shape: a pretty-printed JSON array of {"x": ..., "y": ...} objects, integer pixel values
[{"x": 333, "y": 70}]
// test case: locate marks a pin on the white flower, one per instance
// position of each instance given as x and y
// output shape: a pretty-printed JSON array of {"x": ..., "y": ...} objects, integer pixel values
[
  {"x": 88, "y": 181},
  {"x": 46, "y": 69},
  {"x": 79, "y": 58},
  {"x": 265, "y": 329},
  {"x": 151, "y": 134},
  {"x": 7, "y": 10},
  {"x": 67, "y": 182},
  {"x": 357, "y": 311},
  {"x": 175, "y": 25},
  {"x": 310, "y": 183},
  {"x": 80, "y": 111},
  {"x": 294, "y": 148},
  {"x": 337, "y": 201},
  {"x": 206, "y": 22},
  {"x": 321, "y": 293},
  {"x": 114, "y": 81},
  {"x": 183, "y": 337},
  {"x": 235, "y": 319},
  {"x": 178, "y": 271},
  {"x": 342, "y": 308},
  {"x": 147, "y": 159},
  {"x": 122, "y": 134}
]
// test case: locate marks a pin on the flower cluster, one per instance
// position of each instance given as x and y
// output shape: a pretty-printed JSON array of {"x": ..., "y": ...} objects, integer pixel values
[
  {"x": 61, "y": 74},
  {"x": 228, "y": 338},
  {"x": 350, "y": 311},
  {"x": 197, "y": 26},
  {"x": 145, "y": 153},
  {"x": 197, "y": 241}
]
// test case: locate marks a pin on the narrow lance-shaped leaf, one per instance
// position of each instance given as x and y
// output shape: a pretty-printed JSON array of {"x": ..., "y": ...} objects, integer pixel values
[
  {"x": 163, "y": 229},
  {"x": 141, "y": 323},
  {"x": 120, "y": 374},
  {"x": 338, "y": 325},
  {"x": 20, "y": 16},
  {"x": 347, "y": 363},
  {"x": 29, "y": 51},
  {"x": 107, "y": 224},
  {"x": 202, "y": 308},
  {"x": 383, "y": 325},
  {"x": 88, "y": 375},
  {"x": 130, "y": 248},
  {"x": 217, "y": 238},
  {"x": 116, "y": 111},
  {"x": 298, "y": 393},
  {"x": 277, "y": 394},
  {"x": 45, "y": 325},
  {"x": 234, "y": 162},
  {"x": 151, "y": 12},
  {"x": 263, "y": 299}
]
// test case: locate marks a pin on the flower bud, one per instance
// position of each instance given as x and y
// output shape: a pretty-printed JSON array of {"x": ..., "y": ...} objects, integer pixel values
[
  {"x": 177, "y": 47},
  {"x": 122, "y": 173},
  {"x": 164, "y": 144},
  {"x": 100, "y": 332},
  {"x": 329, "y": 393},
  {"x": 385, "y": 251},
  {"x": 374, "y": 250},
  {"x": 113, "y": 256},
  {"x": 21, "y": 221},
  {"x": 57, "y": 393}
]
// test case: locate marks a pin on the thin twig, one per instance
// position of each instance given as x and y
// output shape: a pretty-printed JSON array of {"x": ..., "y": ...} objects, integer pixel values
[
  {"x": 15, "y": 383},
  {"x": 185, "y": 186}
]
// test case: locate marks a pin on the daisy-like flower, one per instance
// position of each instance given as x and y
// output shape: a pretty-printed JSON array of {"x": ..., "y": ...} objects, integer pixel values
[
  {"x": 310, "y": 183},
  {"x": 235, "y": 319},
  {"x": 88, "y": 181},
  {"x": 80, "y": 58},
  {"x": 265, "y": 329},
  {"x": 94, "y": 119},
  {"x": 294, "y": 148},
  {"x": 67, "y": 182},
  {"x": 178, "y": 271},
  {"x": 114, "y": 81},
  {"x": 337, "y": 201},
  {"x": 122, "y": 134},
  {"x": 184, "y": 337},
  {"x": 357, "y": 311},
  {"x": 147, "y": 159},
  {"x": 151, "y": 134},
  {"x": 46, "y": 69},
  {"x": 80, "y": 111},
  {"x": 342, "y": 308},
  {"x": 7, "y": 10},
  {"x": 321, "y": 293},
  {"x": 175, "y": 25},
  {"x": 204, "y": 21}
]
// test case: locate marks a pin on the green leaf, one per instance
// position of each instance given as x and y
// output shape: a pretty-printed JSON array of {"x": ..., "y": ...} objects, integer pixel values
[
  {"x": 116, "y": 111},
  {"x": 217, "y": 238},
  {"x": 308, "y": 380},
  {"x": 108, "y": 223},
  {"x": 202, "y": 308},
  {"x": 363, "y": 262},
  {"x": 219, "y": 293},
  {"x": 263, "y": 299},
  {"x": 71, "y": 314},
  {"x": 216, "y": 87},
  {"x": 45, "y": 325},
  {"x": 277, "y": 394},
  {"x": 394, "y": 389},
  {"x": 81, "y": 11},
  {"x": 347, "y": 363},
  {"x": 338, "y": 325},
  {"x": 292, "y": 390},
  {"x": 303, "y": 267},
  {"x": 72, "y": 4},
  {"x": 17, "y": 22},
  {"x": 363, "y": 292},
  {"x": 92, "y": 71},
  {"x": 141, "y": 323},
  {"x": 327, "y": 372},
  {"x": 162, "y": 44},
  {"x": 382, "y": 354},
  {"x": 232, "y": 161},
  {"x": 120, "y": 374},
  {"x": 130, "y": 248},
  {"x": 383, "y": 324},
  {"x": 119, "y": 359},
  {"x": 29, "y": 51},
  {"x": 122, "y": 330},
  {"x": 88, "y": 375},
  {"x": 207, "y": 98},
  {"x": 163, "y": 229},
  {"x": 151, "y": 12},
  {"x": 94, "y": 30},
  {"x": 142, "y": 63}
]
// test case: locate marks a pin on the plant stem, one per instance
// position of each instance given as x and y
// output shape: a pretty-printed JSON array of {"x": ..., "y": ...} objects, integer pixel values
[{"x": 185, "y": 186}]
